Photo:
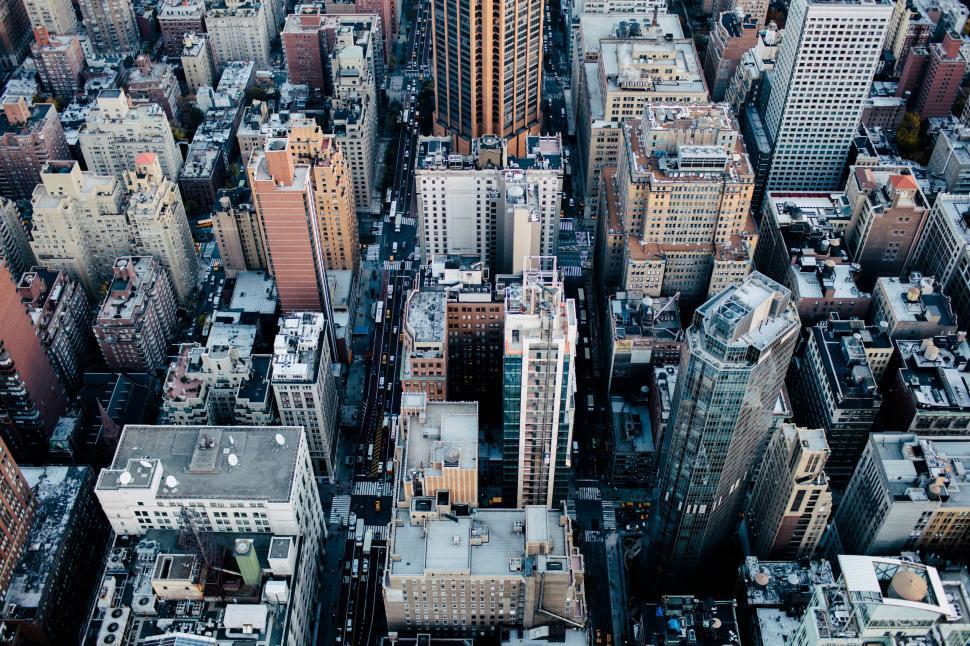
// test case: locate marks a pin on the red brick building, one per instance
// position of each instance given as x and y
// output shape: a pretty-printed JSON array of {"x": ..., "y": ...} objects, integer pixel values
[
  {"x": 945, "y": 67},
  {"x": 16, "y": 505}
]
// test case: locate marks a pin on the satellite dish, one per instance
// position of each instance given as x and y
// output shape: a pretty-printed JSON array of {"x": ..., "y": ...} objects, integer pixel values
[
  {"x": 171, "y": 482},
  {"x": 280, "y": 439},
  {"x": 233, "y": 460},
  {"x": 125, "y": 478}
]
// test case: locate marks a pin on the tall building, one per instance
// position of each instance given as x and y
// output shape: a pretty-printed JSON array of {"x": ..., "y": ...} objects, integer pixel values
[
  {"x": 15, "y": 251},
  {"x": 196, "y": 56},
  {"x": 237, "y": 233},
  {"x": 834, "y": 387},
  {"x": 738, "y": 350},
  {"x": 176, "y": 20},
  {"x": 907, "y": 494},
  {"x": 912, "y": 308},
  {"x": 60, "y": 62},
  {"x": 14, "y": 34},
  {"x": 791, "y": 502},
  {"x": 17, "y": 505},
  {"x": 488, "y": 72},
  {"x": 945, "y": 66},
  {"x": 943, "y": 252},
  {"x": 818, "y": 87},
  {"x": 155, "y": 82},
  {"x": 247, "y": 480},
  {"x": 61, "y": 315},
  {"x": 158, "y": 224},
  {"x": 238, "y": 31},
  {"x": 31, "y": 398},
  {"x": 136, "y": 321},
  {"x": 110, "y": 26},
  {"x": 424, "y": 356},
  {"x": 534, "y": 572},
  {"x": 539, "y": 387},
  {"x": 56, "y": 16},
  {"x": 304, "y": 385},
  {"x": 734, "y": 33},
  {"x": 487, "y": 205},
  {"x": 116, "y": 133},
  {"x": 29, "y": 137},
  {"x": 950, "y": 159}
]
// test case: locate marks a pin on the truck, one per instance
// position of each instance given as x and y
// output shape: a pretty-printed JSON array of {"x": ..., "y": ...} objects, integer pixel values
[
  {"x": 359, "y": 532},
  {"x": 368, "y": 539}
]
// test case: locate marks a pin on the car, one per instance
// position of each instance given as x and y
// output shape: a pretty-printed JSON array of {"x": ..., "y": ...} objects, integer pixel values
[{"x": 377, "y": 505}]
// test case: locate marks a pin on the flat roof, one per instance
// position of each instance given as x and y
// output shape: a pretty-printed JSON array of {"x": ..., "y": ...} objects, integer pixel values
[
  {"x": 254, "y": 291},
  {"x": 448, "y": 433}
]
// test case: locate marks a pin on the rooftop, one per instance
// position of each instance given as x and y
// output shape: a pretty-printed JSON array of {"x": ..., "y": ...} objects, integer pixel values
[
  {"x": 254, "y": 291},
  {"x": 443, "y": 434},
  {"x": 782, "y": 584},
  {"x": 296, "y": 349},
  {"x": 425, "y": 318},
  {"x": 633, "y": 315},
  {"x": 130, "y": 288},
  {"x": 632, "y": 432},
  {"x": 935, "y": 372},
  {"x": 687, "y": 620},
  {"x": 754, "y": 313},
  {"x": 920, "y": 469},
  {"x": 37, "y": 114},
  {"x": 657, "y": 66},
  {"x": 178, "y": 462},
  {"x": 829, "y": 281},
  {"x": 843, "y": 346}
]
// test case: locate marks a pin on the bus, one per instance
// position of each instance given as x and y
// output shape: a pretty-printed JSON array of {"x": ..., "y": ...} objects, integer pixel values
[
  {"x": 379, "y": 312},
  {"x": 359, "y": 532},
  {"x": 368, "y": 539},
  {"x": 590, "y": 403},
  {"x": 387, "y": 196},
  {"x": 582, "y": 296},
  {"x": 392, "y": 210}
]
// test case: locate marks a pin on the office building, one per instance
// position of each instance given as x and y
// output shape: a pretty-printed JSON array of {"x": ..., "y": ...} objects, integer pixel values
[
  {"x": 504, "y": 100},
  {"x": 644, "y": 332},
  {"x": 61, "y": 315},
  {"x": 196, "y": 57},
  {"x": 15, "y": 251},
  {"x": 943, "y": 252},
  {"x": 906, "y": 495},
  {"x": 110, "y": 26},
  {"x": 734, "y": 34},
  {"x": 537, "y": 573},
  {"x": 136, "y": 321},
  {"x": 116, "y": 133},
  {"x": 56, "y": 16},
  {"x": 633, "y": 452},
  {"x": 950, "y": 159},
  {"x": 748, "y": 331},
  {"x": 17, "y": 502},
  {"x": 305, "y": 387},
  {"x": 55, "y": 580},
  {"x": 487, "y": 205},
  {"x": 821, "y": 290},
  {"x": 31, "y": 398},
  {"x": 670, "y": 152},
  {"x": 178, "y": 19},
  {"x": 29, "y": 137},
  {"x": 249, "y": 480},
  {"x": 238, "y": 31},
  {"x": 440, "y": 455},
  {"x": 791, "y": 502},
  {"x": 14, "y": 34},
  {"x": 60, "y": 62},
  {"x": 424, "y": 354},
  {"x": 152, "y": 82},
  {"x": 817, "y": 89},
  {"x": 745, "y": 87},
  {"x": 237, "y": 233},
  {"x": 912, "y": 308},
  {"x": 539, "y": 387},
  {"x": 679, "y": 620},
  {"x": 889, "y": 212}
]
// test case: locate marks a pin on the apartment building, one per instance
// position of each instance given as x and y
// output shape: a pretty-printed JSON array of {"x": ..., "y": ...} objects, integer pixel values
[
  {"x": 424, "y": 355},
  {"x": 238, "y": 31},
  {"x": 177, "y": 19},
  {"x": 196, "y": 57},
  {"x": 60, "y": 62},
  {"x": 56, "y": 16},
  {"x": 154, "y": 82},
  {"x": 30, "y": 136},
  {"x": 158, "y": 224},
  {"x": 734, "y": 34},
  {"x": 943, "y": 252},
  {"x": 116, "y": 133},
  {"x": 136, "y": 321},
  {"x": 15, "y": 249},
  {"x": 539, "y": 386},
  {"x": 110, "y": 26},
  {"x": 906, "y": 495},
  {"x": 644, "y": 332},
  {"x": 950, "y": 159},
  {"x": 309, "y": 33},
  {"x": 18, "y": 505},
  {"x": 791, "y": 502},
  {"x": 456, "y": 576},
  {"x": 305, "y": 387},
  {"x": 237, "y": 233},
  {"x": 912, "y": 308}
]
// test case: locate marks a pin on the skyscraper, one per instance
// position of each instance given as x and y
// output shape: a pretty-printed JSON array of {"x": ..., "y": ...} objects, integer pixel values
[
  {"x": 16, "y": 505},
  {"x": 821, "y": 79},
  {"x": 487, "y": 70},
  {"x": 110, "y": 25},
  {"x": 738, "y": 349},
  {"x": 539, "y": 386}
]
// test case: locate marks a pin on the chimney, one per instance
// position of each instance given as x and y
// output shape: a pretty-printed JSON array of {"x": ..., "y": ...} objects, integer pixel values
[
  {"x": 951, "y": 44},
  {"x": 17, "y": 111},
  {"x": 41, "y": 36},
  {"x": 144, "y": 64},
  {"x": 278, "y": 161}
]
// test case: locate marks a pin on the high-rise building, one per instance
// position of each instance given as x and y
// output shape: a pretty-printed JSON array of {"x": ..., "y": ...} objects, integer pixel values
[
  {"x": 15, "y": 251},
  {"x": 14, "y": 34},
  {"x": 304, "y": 385},
  {"x": 238, "y": 31},
  {"x": 110, "y": 26},
  {"x": 818, "y": 87},
  {"x": 834, "y": 387},
  {"x": 136, "y": 321},
  {"x": 945, "y": 66},
  {"x": 906, "y": 494},
  {"x": 79, "y": 223},
  {"x": 486, "y": 205},
  {"x": 31, "y": 398},
  {"x": 29, "y": 137},
  {"x": 60, "y": 62},
  {"x": 488, "y": 71},
  {"x": 644, "y": 333},
  {"x": 17, "y": 505},
  {"x": 912, "y": 308},
  {"x": 197, "y": 61},
  {"x": 734, "y": 33},
  {"x": 791, "y": 502},
  {"x": 950, "y": 159},
  {"x": 61, "y": 315},
  {"x": 539, "y": 387},
  {"x": 155, "y": 82},
  {"x": 116, "y": 133},
  {"x": 158, "y": 225},
  {"x": 535, "y": 570},
  {"x": 176, "y": 20},
  {"x": 237, "y": 233},
  {"x": 738, "y": 350},
  {"x": 943, "y": 250},
  {"x": 56, "y": 16},
  {"x": 424, "y": 355}
]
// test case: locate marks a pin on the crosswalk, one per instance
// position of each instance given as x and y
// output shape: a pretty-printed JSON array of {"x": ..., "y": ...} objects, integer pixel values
[
  {"x": 409, "y": 222},
  {"x": 392, "y": 266},
  {"x": 592, "y": 536},
  {"x": 371, "y": 488},
  {"x": 339, "y": 510},
  {"x": 609, "y": 515},
  {"x": 380, "y": 531},
  {"x": 588, "y": 493}
]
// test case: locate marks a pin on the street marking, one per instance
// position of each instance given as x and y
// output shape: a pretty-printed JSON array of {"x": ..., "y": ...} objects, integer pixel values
[
  {"x": 372, "y": 488},
  {"x": 588, "y": 493},
  {"x": 339, "y": 510}
]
